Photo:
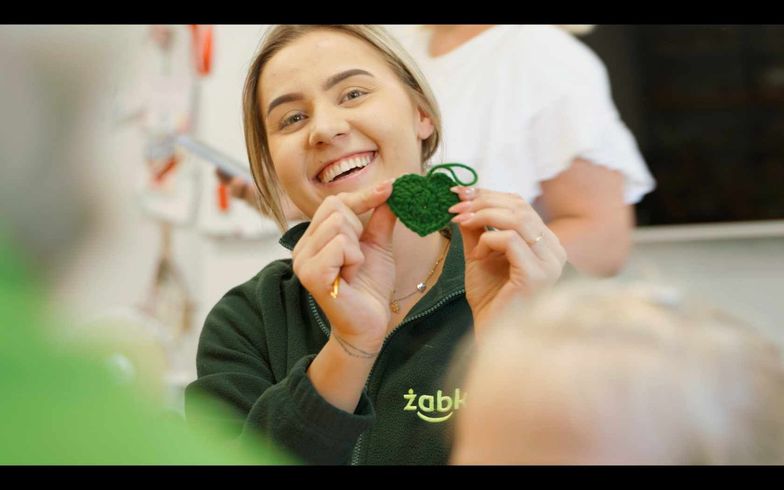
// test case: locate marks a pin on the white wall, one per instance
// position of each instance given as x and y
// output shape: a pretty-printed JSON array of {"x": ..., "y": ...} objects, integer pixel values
[
  {"x": 228, "y": 261},
  {"x": 744, "y": 276}
]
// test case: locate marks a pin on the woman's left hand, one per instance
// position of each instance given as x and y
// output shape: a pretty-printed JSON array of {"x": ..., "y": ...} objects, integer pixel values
[{"x": 510, "y": 253}]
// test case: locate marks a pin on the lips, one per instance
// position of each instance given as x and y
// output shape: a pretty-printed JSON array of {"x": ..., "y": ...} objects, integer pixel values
[{"x": 333, "y": 169}]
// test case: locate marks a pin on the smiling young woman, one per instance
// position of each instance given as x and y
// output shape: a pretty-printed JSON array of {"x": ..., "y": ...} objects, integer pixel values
[{"x": 333, "y": 114}]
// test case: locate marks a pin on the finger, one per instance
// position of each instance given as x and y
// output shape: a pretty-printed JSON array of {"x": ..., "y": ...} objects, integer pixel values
[
  {"x": 550, "y": 266},
  {"x": 553, "y": 244},
  {"x": 553, "y": 264},
  {"x": 318, "y": 272},
  {"x": 336, "y": 224},
  {"x": 563, "y": 257},
  {"x": 380, "y": 227},
  {"x": 470, "y": 237},
  {"x": 485, "y": 198},
  {"x": 329, "y": 206},
  {"x": 488, "y": 197},
  {"x": 527, "y": 226},
  {"x": 547, "y": 256},
  {"x": 472, "y": 227},
  {"x": 499, "y": 218},
  {"x": 364, "y": 200},
  {"x": 509, "y": 202},
  {"x": 474, "y": 198},
  {"x": 547, "y": 247},
  {"x": 511, "y": 244},
  {"x": 353, "y": 258},
  {"x": 465, "y": 193},
  {"x": 531, "y": 228},
  {"x": 525, "y": 269}
]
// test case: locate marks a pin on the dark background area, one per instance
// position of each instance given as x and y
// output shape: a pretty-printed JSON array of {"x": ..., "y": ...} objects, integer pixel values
[{"x": 706, "y": 104}]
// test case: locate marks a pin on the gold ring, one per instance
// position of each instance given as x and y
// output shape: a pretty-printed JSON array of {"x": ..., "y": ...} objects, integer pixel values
[
  {"x": 536, "y": 240},
  {"x": 335, "y": 287}
]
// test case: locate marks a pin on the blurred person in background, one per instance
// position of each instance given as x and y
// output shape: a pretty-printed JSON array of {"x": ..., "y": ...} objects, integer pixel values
[
  {"x": 530, "y": 108},
  {"x": 620, "y": 374},
  {"x": 66, "y": 401}
]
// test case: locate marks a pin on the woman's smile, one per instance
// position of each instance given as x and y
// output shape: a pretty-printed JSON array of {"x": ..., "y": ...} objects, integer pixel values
[{"x": 346, "y": 169}]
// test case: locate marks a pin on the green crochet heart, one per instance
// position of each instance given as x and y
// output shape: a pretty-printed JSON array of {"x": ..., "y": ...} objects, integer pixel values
[{"x": 422, "y": 202}]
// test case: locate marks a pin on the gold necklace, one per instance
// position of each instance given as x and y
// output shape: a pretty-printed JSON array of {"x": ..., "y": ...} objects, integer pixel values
[{"x": 394, "y": 305}]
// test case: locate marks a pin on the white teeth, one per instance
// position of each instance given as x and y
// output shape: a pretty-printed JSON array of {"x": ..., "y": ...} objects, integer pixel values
[{"x": 343, "y": 166}]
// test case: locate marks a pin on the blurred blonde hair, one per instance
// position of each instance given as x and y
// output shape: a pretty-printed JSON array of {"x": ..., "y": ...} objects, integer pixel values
[
  {"x": 644, "y": 373},
  {"x": 277, "y": 38}
]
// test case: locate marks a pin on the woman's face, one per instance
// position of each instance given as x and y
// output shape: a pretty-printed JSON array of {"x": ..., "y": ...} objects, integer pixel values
[{"x": 337, "y": 118}]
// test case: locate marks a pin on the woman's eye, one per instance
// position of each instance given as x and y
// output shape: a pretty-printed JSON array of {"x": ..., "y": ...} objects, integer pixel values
[
  {"x": 353, "y": 94},
  {"x": 292, "y": 119}
]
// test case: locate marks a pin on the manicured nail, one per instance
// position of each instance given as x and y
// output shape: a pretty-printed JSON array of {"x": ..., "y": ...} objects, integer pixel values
[
  {"x": 462, "y": 218},
  {"x": 468, "y": 192},
  {"x": 460, "y": 207}
]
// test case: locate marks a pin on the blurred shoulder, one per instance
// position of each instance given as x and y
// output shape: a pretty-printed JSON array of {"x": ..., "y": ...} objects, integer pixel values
[
  {"x": 549, "y": 63},
  {"x": 556, "y": 53}
]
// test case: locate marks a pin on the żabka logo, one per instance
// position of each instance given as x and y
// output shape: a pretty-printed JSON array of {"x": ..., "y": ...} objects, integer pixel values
[{"x": 432, "y": 405}]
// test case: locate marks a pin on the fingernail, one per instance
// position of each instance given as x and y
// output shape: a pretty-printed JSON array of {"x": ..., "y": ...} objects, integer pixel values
[
  {"x": 456, "y": 189},
  {"x": 462, "y": 218},
  {"x": 468, "y": 192},
  {"x": 460, "y": 207},
  {"x": 382, "y": 186}
]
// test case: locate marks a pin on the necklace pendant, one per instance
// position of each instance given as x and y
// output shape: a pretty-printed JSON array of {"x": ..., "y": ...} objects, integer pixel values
[
  {"x": 421, "y": 287},
  {"x": 394, "y": 306}
]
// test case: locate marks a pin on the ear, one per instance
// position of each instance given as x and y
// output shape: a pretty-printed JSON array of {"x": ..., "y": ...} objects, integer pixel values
[{"x": 424, "y": 125}]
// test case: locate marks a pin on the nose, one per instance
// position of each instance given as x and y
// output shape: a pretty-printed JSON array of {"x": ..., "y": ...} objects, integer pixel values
[{"x": 326, "y": 125}]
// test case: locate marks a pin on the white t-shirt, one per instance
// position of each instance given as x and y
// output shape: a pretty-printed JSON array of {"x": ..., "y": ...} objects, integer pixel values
[{"x": 520, "y": 103}]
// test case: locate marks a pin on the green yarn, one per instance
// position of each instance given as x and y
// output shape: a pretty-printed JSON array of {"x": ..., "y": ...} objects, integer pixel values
[{"x": 422, "y": 202}]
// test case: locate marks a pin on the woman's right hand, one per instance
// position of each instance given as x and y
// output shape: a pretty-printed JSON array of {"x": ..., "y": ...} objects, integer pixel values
[{"x": 336, "y": 243}]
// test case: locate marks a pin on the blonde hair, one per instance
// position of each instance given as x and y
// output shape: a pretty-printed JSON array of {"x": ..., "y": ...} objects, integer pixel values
[
  {"x": 278, "y": 37},
  {"x": 648, "y": 375}
]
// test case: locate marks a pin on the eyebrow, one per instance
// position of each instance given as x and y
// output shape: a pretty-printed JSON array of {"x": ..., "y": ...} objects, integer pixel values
[{"x": 331, "y": 82}]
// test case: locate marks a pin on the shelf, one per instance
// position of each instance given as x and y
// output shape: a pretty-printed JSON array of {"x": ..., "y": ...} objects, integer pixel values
[{"x": 711, "y": 231}]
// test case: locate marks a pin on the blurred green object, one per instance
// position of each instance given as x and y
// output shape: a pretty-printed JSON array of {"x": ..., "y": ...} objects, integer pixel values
[{"x": 62, "y": 407}]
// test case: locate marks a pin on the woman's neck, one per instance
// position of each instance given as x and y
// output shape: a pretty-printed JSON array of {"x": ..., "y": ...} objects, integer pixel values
[
  {"x": 415, "y": 257},
  {"x": 446, "y": 38}
]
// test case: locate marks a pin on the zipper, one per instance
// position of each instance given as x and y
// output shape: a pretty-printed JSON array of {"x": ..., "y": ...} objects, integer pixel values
[
  {"x": 358, "y": 445},
  {"x": 321, "y": 324}
]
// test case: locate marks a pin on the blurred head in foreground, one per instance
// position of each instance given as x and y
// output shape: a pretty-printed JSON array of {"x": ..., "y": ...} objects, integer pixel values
[
  {"x": 621, "y": 374},
  {"x": 62, "y": 404}
]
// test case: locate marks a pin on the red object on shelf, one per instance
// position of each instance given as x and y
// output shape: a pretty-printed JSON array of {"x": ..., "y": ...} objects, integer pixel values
[
  {"x": 164, "y": 170},
  {"x": 202, "y": 47},
  {"x": 223, "y": 197}
]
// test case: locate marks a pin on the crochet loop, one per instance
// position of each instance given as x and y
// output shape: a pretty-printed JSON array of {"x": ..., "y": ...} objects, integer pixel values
[{"x": 449, "y": 166}]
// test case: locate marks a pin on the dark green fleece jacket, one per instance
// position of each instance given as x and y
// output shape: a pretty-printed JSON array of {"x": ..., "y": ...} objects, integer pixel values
[{"x": 260, "y": 338}]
